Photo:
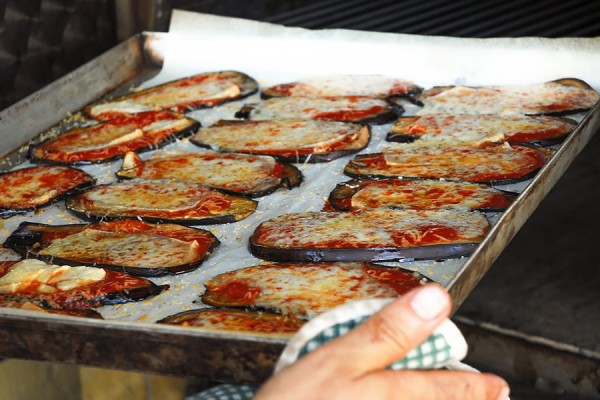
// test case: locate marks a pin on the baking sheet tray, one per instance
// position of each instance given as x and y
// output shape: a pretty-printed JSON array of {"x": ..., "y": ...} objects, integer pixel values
[{"x": 271, "y": 54}]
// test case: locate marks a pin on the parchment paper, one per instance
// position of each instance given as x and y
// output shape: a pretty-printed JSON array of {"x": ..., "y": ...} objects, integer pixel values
[{"x": 274, "y": 54}]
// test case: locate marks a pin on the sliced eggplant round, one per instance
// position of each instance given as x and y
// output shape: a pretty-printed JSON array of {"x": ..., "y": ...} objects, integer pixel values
[
  {"x": 161, "y": 200},
  {"x": 31, "y": 188},
  {"x": 290, "y": 140},
  {"x": 420, "y": 194},
  {"x": 248, "y": 175},
  {"x": 128, "y": 246},
  {"x": 110, "y": 140},
  {"x": 369, "y": 235},
  {"x": 199, "y": 91}
]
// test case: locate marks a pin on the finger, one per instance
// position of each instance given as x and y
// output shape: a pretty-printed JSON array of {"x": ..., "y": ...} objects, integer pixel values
[
  {"x": 389, "y": 334},
  {"x": 430, "y": 385}
]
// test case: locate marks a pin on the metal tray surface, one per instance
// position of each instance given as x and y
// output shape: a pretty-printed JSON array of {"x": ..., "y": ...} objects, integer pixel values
[{"x": 143, "y": 346}]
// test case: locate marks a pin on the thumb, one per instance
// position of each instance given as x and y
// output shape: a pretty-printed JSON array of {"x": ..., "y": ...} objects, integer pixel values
[{"x": 392, "y": 332}]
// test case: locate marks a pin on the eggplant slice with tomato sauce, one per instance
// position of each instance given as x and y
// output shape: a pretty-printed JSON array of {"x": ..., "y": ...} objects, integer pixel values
[
  {"x": 420, "y": 194},
  {"x": 452, "y": 128},
  {"x": 379, "y": 86},
  {"x": 71, "y": 288},
  {"x": 29, "y": 189},
  {"x": 492, "y": 163},
  {"x": 128, "y": 246},
  {"x": 204, "y": 90},
  {"x": 290, "y": 140},
  {"x": 357, "y": 109},
  {"x": 106, "y": 141},
  {"x": 239, "y": 321},
  {"x": 562, "y": 96},
  {"x": 161, "y": 200},
  {"x": 248, "y": 175},
  {"x": 305, "y": 290},
  {"x": 369, "y": 235}
]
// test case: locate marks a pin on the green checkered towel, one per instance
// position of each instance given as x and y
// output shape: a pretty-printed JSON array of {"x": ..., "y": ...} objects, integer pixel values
[{"x": 443, "y": 349}]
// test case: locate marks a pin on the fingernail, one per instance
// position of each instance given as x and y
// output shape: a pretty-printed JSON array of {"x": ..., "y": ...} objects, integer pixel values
[
  {"x": 429, "y": 302},
  {"x": 504, "y": 394}
]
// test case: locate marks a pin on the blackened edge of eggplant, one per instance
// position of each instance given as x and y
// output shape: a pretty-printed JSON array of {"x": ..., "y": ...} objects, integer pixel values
[
  {"x": 188, "y": 131},
  {"x": 245, "y": 111},
  {"x": 136, "y": 294},
  {"x": 399, "y": 138},
  {"x": 221, "y": 219},
  {"x": 6, "y": 212},
  {"x": 430, "y": 252}
]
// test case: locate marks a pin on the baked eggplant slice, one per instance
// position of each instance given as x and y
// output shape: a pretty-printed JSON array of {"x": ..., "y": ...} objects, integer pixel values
[
  {"x": 494, "y": 163},
  {"x": 290, "y": 140},
  {"x": 369, "y": 235},
  {"x": 108, "y": 140},
  {"x": 129, "y": 246},
  {"x": 306, "y": 290},
  {"x": 562, "y": 96},
  {"x": 360, "y": 109},
  {"x": 71, "y": 288},
  {"x": 249, "y": 175},
  {"x": 344, "y": 85},
  {"x": 8, "y": 301},
  {"x": 418, "y": 194},
  {"x": 240, "y": 321},
  {"x": 29, "y": 189},
  {"x": 199, "y": 91},
  {"x": 540, "y": 129},
  {"x": 161, "y": 200}
]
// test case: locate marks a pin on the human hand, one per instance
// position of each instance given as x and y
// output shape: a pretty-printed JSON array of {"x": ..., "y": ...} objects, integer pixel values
[{"x": 353, "y": 366}]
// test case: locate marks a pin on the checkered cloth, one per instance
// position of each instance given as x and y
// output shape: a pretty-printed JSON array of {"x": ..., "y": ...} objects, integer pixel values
[{"x": 444, "y": 348}]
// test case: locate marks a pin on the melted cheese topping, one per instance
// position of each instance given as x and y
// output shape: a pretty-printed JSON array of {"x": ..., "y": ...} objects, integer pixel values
[
  {"x": 305, "y": 290},
  {"x": 240, "y": 321},
  {"x": 291, "y": 135},
  {"x": 173, "y": 95},
  {"x": 30, "y": 187},
  {"x": 477, "y": 128},
  {"x": 126, "y": 249},
  {"x": 346, "y": 85},
  {"x": 526, "y": 99},
  {"x": 234, "y": 172},
  {"x": 424, "y": 194},
  {"x": 38, "y": 277},
  {"x": 148, "y": 196},
  {"x": 170, "y": 95},
  {"x": 334, "y": 108},
  {"x": 459, "y": 163},
  {"x": 371, "y": 229}
]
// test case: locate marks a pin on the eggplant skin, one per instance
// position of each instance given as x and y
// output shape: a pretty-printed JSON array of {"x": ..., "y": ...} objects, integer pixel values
[
  {"x": 430, "y": 252},
  {"x": 28, "y": 239}
]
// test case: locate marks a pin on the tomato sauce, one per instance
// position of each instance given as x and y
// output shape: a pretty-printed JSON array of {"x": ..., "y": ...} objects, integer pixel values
[{"x": 401, "y": 281}]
